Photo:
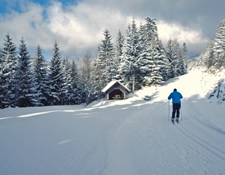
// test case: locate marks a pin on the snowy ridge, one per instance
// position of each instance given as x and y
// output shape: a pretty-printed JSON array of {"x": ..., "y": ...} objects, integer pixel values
[{"x": 124, "y": 137}]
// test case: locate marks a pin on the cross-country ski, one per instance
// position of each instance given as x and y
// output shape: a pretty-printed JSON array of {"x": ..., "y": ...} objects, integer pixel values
[{"x": 175, "y": 121}]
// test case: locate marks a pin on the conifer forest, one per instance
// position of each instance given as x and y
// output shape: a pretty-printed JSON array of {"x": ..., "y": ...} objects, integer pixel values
[{"x": 137, "y": 59}]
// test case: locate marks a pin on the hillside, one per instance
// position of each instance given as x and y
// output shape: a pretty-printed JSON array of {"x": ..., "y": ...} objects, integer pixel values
[{"x": 127, "y": 137}]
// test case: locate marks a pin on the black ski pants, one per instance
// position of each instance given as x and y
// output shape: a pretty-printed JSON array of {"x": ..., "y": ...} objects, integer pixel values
[{"x": 176, "y": 110}]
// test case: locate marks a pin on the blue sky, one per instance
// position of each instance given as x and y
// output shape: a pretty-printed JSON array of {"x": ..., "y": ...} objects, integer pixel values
[
  {"x": 6, "y": 6},
  {"x": 78, "y": 26}
]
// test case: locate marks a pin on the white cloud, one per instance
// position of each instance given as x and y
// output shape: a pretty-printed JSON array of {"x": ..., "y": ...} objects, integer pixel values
[
  {"x": 193, "y": 38},
  {"x": 181, "y": 33},
  {"x": 78, "y": 29},
  {"x": 82, "y": 26},
  {"x": 30, "y": 25}
]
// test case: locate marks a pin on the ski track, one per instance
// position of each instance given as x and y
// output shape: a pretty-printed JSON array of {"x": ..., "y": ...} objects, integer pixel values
[
  {"x": 151, "y": 141},
  {"x": 132, "y": 140},
  {"x": 207, "y": 142}
]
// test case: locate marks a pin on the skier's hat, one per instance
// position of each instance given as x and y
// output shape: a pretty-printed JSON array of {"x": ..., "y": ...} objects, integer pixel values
[{"x": 175, "y": 89}]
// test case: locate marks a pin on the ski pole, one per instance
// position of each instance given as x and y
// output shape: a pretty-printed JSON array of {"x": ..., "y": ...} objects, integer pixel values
[
  {"x": 168, "y": 110},
  {"x": 181, "y": 116}
]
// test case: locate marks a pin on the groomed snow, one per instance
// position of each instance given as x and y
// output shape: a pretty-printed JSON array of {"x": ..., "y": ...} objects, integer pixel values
[{"x": 127, "y": 137}]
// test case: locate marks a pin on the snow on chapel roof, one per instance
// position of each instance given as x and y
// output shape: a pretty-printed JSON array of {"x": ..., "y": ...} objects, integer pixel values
[{"x": 110, "y": 84}]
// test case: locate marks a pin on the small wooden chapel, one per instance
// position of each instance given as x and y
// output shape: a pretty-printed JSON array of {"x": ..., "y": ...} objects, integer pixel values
[{"x": 115, "y": 90}]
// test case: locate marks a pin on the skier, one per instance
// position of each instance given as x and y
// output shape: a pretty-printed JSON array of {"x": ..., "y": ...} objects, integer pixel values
[{"x": 176, "y": 100}]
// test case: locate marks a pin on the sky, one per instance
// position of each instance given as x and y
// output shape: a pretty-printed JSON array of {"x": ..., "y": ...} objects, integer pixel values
[{"x": 78, "y": 25}]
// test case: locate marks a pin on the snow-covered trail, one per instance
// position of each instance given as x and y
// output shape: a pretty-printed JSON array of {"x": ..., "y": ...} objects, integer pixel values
[
  {"x": 146, "y": 143},
  {"x": 129, "y": 137}
]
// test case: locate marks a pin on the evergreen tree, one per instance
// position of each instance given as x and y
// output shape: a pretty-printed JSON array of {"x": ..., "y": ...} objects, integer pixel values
[
  {"x": 72, "y": 85},
  {"x": 169, "y": 51},
  {"x": 219, "y": 46},
  {"x": 86, "y": 68},
  {"x": 214, "y": 55},
  {"x": 56, "y": 78},
  {"x": 66, "y": 69},
  {"x": 24, "y": 90},
  {"x": 98, "y": 77},
  {"x": 87, "y": 75},
  {"x": 106, "y": 56},
  {"x": 129, "y": 69},
  {"x": 8, "y": 61},
  {"x": 173, "y": 57},
  {"x": 119, "y": 45},
  {"x": 160, "y": 70},
  {"x": 176, "y": 58},
  {"x": 76, "y": 84},
  {"x": 146, "y": 62},
  {"x": 1, "y": 81},
  {"x": 104, "y": 68},
  {"x": 41, "y": 78},
  {"x": 184, "y": 59},
  {"x": 118, "y": 55},
  {"x": 154, "y": 62},
  {"x": 151, "y": 31}
]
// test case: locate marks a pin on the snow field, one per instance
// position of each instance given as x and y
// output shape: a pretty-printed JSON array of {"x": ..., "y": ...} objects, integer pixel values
[{"x": 126, "y": 137}]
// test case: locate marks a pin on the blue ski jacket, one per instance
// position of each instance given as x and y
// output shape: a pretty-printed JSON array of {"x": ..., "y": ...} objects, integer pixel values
[{"x": 175, "y": 96}]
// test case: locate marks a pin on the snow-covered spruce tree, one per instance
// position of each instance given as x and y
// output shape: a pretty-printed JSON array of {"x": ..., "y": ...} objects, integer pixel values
[
  {"x": 87, "y": 75},
  {"x": 66, "y": 71},
  {"x": 56, "y": 78},
  {"x": 118, "y": 55},
  {"x": 129, "y": 68},
  {"x": 119, "y": 45},
  {"x": 24, "y": 90},
  {"x": 150, "y": 30},
  {"x": 104, "y": 68},
  {"x": 76, "y": 84},
  {"x": 41, "y": 81},
  {"x": 72, "y": 84},
  {"x": 146, "y": 62},
  {"x": 163, "y": 62},
  {"x": 8, "y": 56},
  {"x": 96, "y": 78},
  {"x": 206, "y": 57},
  {"x": 173, "y": 52},
  {"x": 219, "y": 46},
  {"x": 184, "y": 59},
  {"x": 176, "y": 58},
  {"x": 107, "y": 54},
  {"x": 213, "y": 58},
  {"x": 154, "y": 64},
  {"x": 1, "y": 81},
  {"x": 160, "y": 70},
  {"x": 169, "y": 51}
]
